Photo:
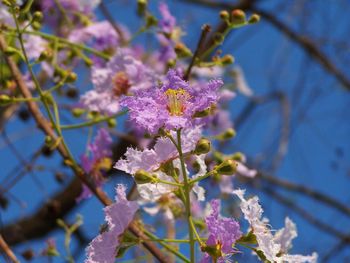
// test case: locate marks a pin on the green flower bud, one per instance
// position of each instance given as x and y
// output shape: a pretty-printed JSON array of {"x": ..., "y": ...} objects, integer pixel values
[
  {"x": 38, "y": 16},
  {"x": 45, "y": 55},
  {"x": 72, "y": 77},
  {"x": 10, "y": 51},
  {"x": 112, "y": 123},
  {"x": 77, "y": 112},
  {"x": 218, "y": 38},
  {"x": 227, "y": 167},
  {"x": 227, "y": 60},
  {"x": 36, "y": 25},
  {"x": 255, "y": 18},
  {"x": 141, "y": 7},
  {"x": 4, "y": 99},
  {"x": 238, "y": 17},
  {"x": 182, "y": 51},
  {"x": 224, "y": 15},
  {"x": 203, "y": 113},
  {"x": 238, "y": 156},
  {"x": 151, "y": 21},
  {"x": 202, "y": 146},
  {"x": 143, "y": 177}
]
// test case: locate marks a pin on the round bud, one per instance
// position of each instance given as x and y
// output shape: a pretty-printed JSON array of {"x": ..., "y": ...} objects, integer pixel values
[
  {"x": 46, "y": 54},
  {"x": 219, "y": 38},
  {"x": 72, "y": 93},
  {"x": 229, "y": 133},
  {"x": 38, "y": 16},
  {"x": 77, "y": 112},
  {"x": 72, "y": 77},
  {"x": 227, "y": 60},
  {"x": 224, "y": 15},
  {"x": 36, "y": 25},
  {"x": 227, "y": 167},
  {"x": 255, "y": 18},
  {"x": 112, "y": 123},
  {"x": 237, "y": 17},
  {"x": 202, "y": 146}
]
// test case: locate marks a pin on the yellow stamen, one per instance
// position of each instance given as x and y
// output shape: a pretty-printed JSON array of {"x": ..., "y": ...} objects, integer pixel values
[{"x": 177, "y": 101}]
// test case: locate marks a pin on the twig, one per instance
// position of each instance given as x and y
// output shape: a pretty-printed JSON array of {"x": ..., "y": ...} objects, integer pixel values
[
  {"x": 7, "y": 250},
  {"x": 205, "y": 31}
]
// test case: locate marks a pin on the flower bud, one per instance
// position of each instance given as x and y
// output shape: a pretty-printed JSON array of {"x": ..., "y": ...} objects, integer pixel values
[
  {"x": 77, "y": 112},
  {"x": 37, "y": 16},
  {"x": 218, "y": 38},
  {"x": 4, "y": 99},
  {"x": 202, "y": 146},
  {"x": 36, "y": 25},
  {"x": 227, "y": 60},
  {"x": 10, "y": 51},
  {"x": 227, "y": 167},
  {"x": 203, "y": 113},
  {"x": 224, "y": 15},
  {"x": 71, "y": 77},
  {"x": 182, "y": 51},
  {"x": 141, "y": 7},
  {"x": 143, "y": 177},
  {"x": 238, "y": 156},
  {"x": 255, "y": 18},
  {"x": 46, "y": 54},
  {"x": 228, "y": 134},
  {"x": 237, "y": 17},
  {"x": 112, "y": 123},
  {"x": 151, "y": 21}
]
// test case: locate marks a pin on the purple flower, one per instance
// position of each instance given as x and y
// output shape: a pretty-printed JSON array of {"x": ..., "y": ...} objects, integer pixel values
[
  {"x": 169, "y": 34},
  {"x": 223, "y": 233},
  {"x": 122, "y": 74},
  {"x": 172, "y": 105},
  {"x": 168, "y": 22},
  {"x": 103, "y": 248},
  {"x": 99, "y": 35},
  {"x": 97, "y": 161}
]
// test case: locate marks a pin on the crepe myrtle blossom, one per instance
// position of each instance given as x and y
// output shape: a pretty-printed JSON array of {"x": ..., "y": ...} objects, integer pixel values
[
  {"x": 54, "y": 17},
  {"x": 274, "y": 247},
  {"x": 122, "y": 74},
  {"x": 103, "y": 248},
  {"x": 97, "y": 160},
  {"x": 99, "y": 35},
  {"x": 169, "y": 34},
  {"x": 173, "y": 105},
  {"x": 152, "y": 161},
  {"x": 223, "y": 234}
]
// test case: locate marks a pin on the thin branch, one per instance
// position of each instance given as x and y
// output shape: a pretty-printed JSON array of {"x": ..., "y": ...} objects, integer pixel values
[
  {"x": 7, "y": 250},
  {"x": 303, "y": 41},
  {"x": 320, "y": 197}
]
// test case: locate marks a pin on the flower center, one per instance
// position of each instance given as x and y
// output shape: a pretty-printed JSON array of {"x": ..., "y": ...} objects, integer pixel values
[
  {"x": 177, "y": 101},
  {"x": 121, "y": 83}
]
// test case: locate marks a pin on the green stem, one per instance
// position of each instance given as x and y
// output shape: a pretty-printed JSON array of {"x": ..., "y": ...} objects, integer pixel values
[
  {"x": 187, "y": 195},
  {"x": 199, "y": 178},
  {"x": 68, "y": 43},
  {"x": 92, "y": 122},
  {"x": 169, "y": 183},
  {"x": 167, "y": 247}
]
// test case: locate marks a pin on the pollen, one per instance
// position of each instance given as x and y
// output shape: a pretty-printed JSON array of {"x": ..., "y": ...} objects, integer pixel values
[{"x": 177, "y": 100}]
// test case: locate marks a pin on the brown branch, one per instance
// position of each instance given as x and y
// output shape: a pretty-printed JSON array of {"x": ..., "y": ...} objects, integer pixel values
[
  {"x": 7, "y": 250},
  {"x": 205, "y": 31},
  {"x": 303, "y": 41},
  {"x": 320, "y": 197},
  {"x": 45, "y": 126},
  {"x": 306, "y": 215}
]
